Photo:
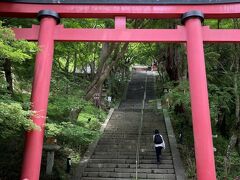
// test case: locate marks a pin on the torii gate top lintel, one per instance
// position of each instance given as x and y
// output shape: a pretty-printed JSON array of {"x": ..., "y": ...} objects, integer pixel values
[
  {"x": 215, "y": 9},
  {"x": 134, "y": 2}
]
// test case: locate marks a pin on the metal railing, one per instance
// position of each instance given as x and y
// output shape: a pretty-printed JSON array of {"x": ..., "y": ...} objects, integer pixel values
[{"x": 140, "y": 128}]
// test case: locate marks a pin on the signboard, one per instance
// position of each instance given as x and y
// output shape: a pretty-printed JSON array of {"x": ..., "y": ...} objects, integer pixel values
[
  {"x": 109, "y": 99},
  {"x": 96, "y": 96},
  {"x": 124, "y": 1}
]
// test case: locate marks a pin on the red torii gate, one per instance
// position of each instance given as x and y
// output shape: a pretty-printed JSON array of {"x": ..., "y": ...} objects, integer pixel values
[{"x": 192, "y": 33}]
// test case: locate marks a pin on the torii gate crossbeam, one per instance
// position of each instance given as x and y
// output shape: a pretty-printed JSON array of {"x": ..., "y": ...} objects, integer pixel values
[
  {"x": 217, "y": 11},
  {"x": 192, "y": 33},
  {"x": 130, "y": 35}
]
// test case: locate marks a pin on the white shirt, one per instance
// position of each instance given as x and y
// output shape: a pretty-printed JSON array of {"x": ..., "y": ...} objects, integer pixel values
[{"x": 159, "y": 145}]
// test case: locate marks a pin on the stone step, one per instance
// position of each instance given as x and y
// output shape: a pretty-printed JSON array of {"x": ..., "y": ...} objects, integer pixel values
[
  {"x": 146, "y": 144},
  {"x": 130, "y": 170},
  {"x": 150, "y": 146},
  {"x": 130, "y": 153},
  {"x": 122, "y": 126},
  {"x": 133, "y": 156},
  {"x": 120, "y": 151},
  {"x": 117, "y": 147},
  {"x": 130, "y": 161},
  {"x": 118, "y": 134},
  {"x": 117, "y": 142},
  {"x": 99, "y": 178},
  {"x": 125, "y": 146},
  {"x": 152, "y": 152},
  {"x": 130, "y": 131},
  {"x": 112, "y": 140},
  {"x": 120, "y": 148},
  {"x": 119, "y": 138},
  {"x": 122, "y": 165},
  {"x": 133, "y": 144},
  {"x": 115, "y": 153},
  {"x": 132, "y": 124},
  {"x": 147, "y": 152},
  {"x": 128, "y": 175},
  {"x": 122, "y": 131},
  {"x": 114, "y": 150},
  {"x": 144, "y": 136}
]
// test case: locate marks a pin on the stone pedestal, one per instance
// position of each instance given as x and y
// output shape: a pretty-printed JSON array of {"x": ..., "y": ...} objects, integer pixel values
[{"x": 50, "y": 148}]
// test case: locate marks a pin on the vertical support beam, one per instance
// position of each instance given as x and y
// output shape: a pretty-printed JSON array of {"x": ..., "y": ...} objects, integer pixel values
[
  {"x": 120, "y": 22},
  {"x": 199, "y": 97},
  {"x": 40, "y": 90}
]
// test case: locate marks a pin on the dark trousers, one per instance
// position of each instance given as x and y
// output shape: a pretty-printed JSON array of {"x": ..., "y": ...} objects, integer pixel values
[{"x": 158, "y": 152}]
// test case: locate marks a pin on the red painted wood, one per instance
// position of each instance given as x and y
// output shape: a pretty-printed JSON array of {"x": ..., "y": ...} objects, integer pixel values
[
  {"x": 202, "y": 131},
  {"x": 110, "y": 11},
  {"x": 220, "y": 35},
  {"x": 106, "y": 35},
  {"x": 130, "y": 35},
  {"x": 39, "y": 100},
  {"x": 27, "y": 33},
  {"x": 120, "y": 22}
]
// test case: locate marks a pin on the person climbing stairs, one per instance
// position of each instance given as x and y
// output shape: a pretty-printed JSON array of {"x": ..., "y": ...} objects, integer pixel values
[{"x": 125, "y": 150}]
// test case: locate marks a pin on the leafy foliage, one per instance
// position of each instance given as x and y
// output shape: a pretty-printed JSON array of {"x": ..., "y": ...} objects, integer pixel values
[
  {"x": 72, "y": 134},
  {"x": 13, "y": 118},
  {"x": 12, "y": 49}
]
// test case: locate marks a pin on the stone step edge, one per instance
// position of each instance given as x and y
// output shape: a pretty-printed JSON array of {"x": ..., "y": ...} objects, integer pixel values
[
  {"x": 131, "y": 170},
  {"x": 114, "y": 169},
  {"x": 100, "y": 178},
  {"x": 177, "y": 162},
  {"x": 123, "y": 175},
  {"x": 141, "y": 166}
]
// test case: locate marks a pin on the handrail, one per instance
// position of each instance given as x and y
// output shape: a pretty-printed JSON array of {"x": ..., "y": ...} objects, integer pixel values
[{"x": 140, "y": 128}]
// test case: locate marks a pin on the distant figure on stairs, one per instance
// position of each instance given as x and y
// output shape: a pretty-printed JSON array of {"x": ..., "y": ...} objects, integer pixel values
[{"x": 158, "y": 143}]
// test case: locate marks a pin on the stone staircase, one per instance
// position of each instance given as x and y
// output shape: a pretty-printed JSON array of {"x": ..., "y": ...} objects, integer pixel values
[
  {"x": 127, "y": 138},
  {"x": 147, "y": 160},
  {"x": 115, "y": 154}
]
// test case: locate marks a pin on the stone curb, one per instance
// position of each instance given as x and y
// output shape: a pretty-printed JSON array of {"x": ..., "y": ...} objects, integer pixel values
[
  {"x": 83, "y": 163},
  {"x": 177, "y": 162}
]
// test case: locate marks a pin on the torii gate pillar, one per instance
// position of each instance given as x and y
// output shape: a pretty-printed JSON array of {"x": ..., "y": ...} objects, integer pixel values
[
  {"x": 40, "y": 91},
  {"x": 199, "y": 97}
]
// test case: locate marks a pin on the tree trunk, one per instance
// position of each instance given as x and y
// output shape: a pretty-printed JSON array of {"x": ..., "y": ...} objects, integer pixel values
[
  {"x": 221, "y": 122},
  {"x": 93, "y": 69},
  {"x": 98, "y": 83},
  {"x": 171, "y": 63},
  {"x": 106, "y": 65},
  {"x": 227, "y": 159},
  {"x": 8, "y": 75},
  {"x": 66, "y": 69},
  {"x": 105, "y": 53},
  {"x": 75, "y": 66}
]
